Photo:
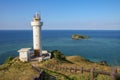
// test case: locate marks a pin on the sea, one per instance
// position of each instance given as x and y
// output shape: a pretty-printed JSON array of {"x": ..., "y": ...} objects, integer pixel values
[{"x": 101, "y": 44}]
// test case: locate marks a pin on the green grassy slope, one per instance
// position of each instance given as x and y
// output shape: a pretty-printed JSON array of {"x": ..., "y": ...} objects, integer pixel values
[{"x": 16, "y": 70}]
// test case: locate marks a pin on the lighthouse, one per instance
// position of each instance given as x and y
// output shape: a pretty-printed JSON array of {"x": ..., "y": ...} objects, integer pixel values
[{"x": 37, "y": 24}]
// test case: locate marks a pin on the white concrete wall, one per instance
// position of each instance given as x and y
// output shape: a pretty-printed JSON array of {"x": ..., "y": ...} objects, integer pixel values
[
  {"x": 36, "y": 24},
  {"x": 36, "y": 37},
  {"x": 23, "y": 56}
]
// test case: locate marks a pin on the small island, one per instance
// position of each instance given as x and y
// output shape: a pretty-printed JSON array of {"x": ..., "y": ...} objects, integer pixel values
[{"x": 78, "y": 37}]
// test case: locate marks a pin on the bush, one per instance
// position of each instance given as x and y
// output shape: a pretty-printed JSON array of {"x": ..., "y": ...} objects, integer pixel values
[
  {"x": 104, "y": 63},
  {"x": 10, "y": 58},
  {"x": 58, "y": 55}
]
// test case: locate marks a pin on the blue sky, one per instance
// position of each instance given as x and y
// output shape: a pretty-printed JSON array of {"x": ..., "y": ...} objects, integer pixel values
[{"x": 61, "y": 14}]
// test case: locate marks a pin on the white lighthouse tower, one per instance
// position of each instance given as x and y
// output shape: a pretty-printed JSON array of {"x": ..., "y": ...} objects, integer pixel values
[{"x": 37, "y": 24}]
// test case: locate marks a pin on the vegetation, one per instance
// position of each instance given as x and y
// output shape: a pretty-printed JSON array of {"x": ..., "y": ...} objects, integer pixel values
[
  {"x": 76, "y": 62},
  {"x": 77, "y": 37},
  {"x": 10, "y": 58},
  {"x": 13, "y": 69},
  {"x": 104, "y": 63},
  {"x": 16, "y": 70},
  {"x": 58, "y": 55}
]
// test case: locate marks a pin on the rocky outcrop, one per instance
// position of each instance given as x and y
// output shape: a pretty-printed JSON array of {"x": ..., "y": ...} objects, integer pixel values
[{"x": 77, "y": 37}]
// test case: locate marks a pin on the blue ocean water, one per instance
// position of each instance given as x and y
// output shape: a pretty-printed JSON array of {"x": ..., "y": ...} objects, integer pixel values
[{"x": 102, "y": 44}]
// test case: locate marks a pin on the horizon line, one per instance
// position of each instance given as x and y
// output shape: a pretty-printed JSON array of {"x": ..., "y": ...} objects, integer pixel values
[{"x": 60, "y": 29}]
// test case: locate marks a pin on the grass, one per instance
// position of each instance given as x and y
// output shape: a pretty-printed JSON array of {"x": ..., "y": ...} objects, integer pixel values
[
  {"x": 76, "y": 61},
  {"x": 17, "y": 70}
]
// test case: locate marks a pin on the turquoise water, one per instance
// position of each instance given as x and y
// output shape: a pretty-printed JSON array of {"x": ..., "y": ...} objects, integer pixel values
[{"x": 102, "y": 45}]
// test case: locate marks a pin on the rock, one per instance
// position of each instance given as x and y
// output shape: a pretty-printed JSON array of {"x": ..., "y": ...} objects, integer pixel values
[
  {"x": 104, "y": 62},
  {"x": 77, "y": 37}
]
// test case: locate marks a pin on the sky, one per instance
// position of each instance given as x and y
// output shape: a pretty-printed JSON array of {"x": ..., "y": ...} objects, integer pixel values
[{"x": 61, "y": 14}]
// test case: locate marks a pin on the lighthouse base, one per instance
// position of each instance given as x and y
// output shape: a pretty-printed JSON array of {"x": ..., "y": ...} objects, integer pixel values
[{"x": 36, "y": 53}]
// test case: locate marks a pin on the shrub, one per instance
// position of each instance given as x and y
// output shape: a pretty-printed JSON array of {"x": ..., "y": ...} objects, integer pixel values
[
  {"x": 10, "y": 58},
  {"x": 104, "y": 63},
  {"x": 58, "y": 55}
]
